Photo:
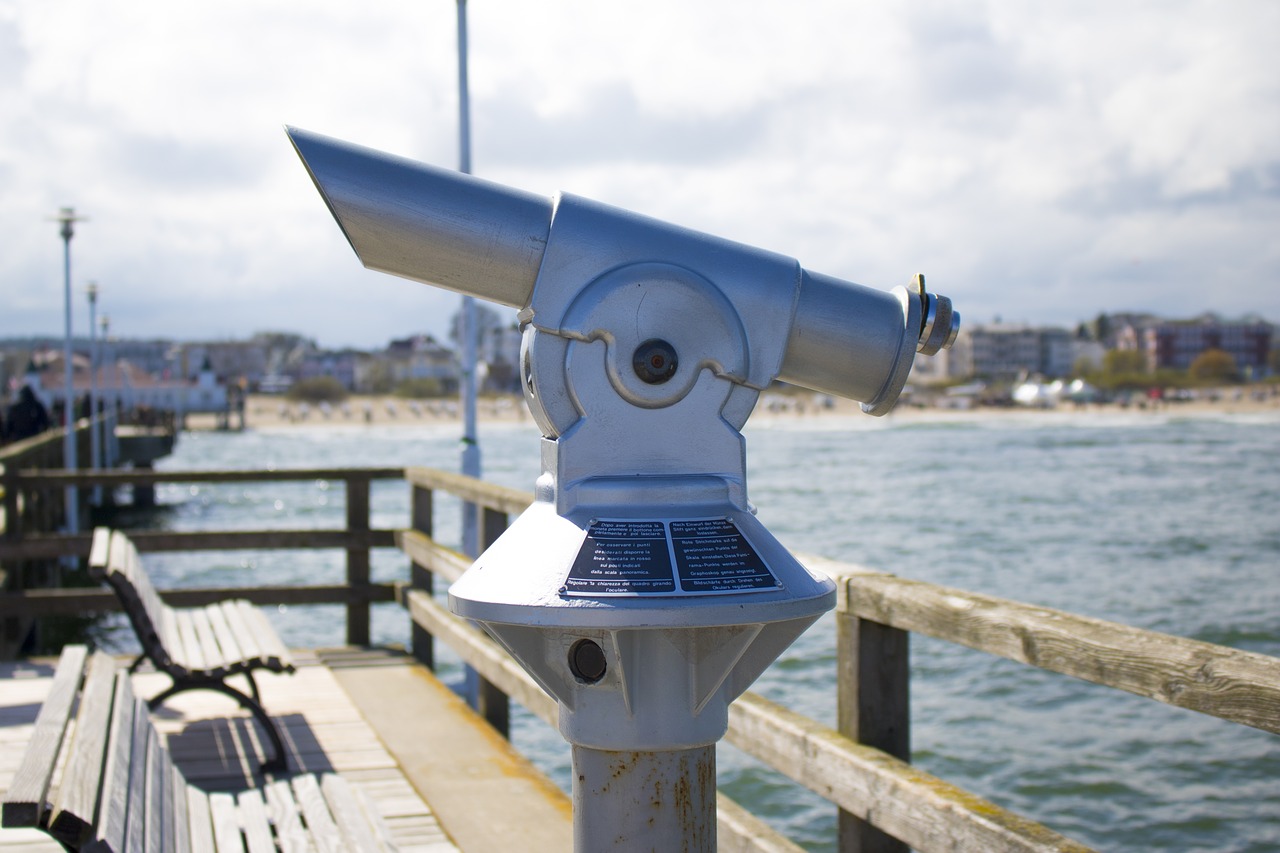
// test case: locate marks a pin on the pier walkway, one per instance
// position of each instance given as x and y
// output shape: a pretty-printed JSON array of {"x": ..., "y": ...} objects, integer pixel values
[
  {"x": 377, "y": 715},
  {"x": 440, "y": 777}
]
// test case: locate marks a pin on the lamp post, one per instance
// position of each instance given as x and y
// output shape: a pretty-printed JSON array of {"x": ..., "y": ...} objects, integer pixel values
[
  {"x": 108, "y": 405},
  {"x": 95, "y": 441},
  {"x": 470, "y": 445},
  {"x": 67, "y": 216},
  {"x": 471, "y": 544}
]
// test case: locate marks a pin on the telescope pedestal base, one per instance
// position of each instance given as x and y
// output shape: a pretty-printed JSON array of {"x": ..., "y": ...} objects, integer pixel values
[{"x": 644, "y": 800}]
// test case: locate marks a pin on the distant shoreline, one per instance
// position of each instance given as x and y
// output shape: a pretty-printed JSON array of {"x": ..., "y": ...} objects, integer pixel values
[{"x": 265, "y": 412}]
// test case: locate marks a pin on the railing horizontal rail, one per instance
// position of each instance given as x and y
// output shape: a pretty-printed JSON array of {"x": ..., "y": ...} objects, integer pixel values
[
  {"x": 430, "y": 554},
  {"x": 58, "y": 478},
  {"x": 75, "y": 602},
  {"x": 49, "y": 546},
  {"x": 495, "y": 497},
  {"x": 47, "y": 444},
  {"x": 1232, "y": 684},
  {"x": 28, "y": 485},
  {"x": 920, "y": 809}
]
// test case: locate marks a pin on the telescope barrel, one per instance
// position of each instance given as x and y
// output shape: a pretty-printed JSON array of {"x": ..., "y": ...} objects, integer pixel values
[
  {"x": 850, "y": 341},
  {"x": 428, "y": 224},
  {"x": 487, "y": 240}
]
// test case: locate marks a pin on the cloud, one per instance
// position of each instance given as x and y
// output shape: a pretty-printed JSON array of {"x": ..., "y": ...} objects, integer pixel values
[{"x": 1040, "y": 163}]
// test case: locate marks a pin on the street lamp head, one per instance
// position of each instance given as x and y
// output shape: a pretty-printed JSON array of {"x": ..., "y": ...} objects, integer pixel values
[{"x": 67, "y": 216}]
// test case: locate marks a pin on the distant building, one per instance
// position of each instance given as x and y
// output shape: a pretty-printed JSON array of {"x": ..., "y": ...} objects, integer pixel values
[
  {"x": 122, "y": 384},
  {"x": 1007, "y": 351},
  {"x": 422, "y": 357},
  {"x": 1176, "y": 344},
  {"x": 231, "y": 361},
  {"x": 497, "y": 347},
  {"x": 149, "y": 356},
  {"x": 500, "y": 350},
  {"x": 339, "y": 365},
  {"x": 931, "y": 370},
  {"x": 997, "y": 351}
]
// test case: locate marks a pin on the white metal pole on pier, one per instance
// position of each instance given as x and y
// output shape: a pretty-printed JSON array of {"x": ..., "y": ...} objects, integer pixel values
[
  {"x": 67, "y": 216},
  {"x": 95, "y": 440},
  {"x": 109, "y": 449},
  {"x": 470, "y": 444},
  {"x": 467, "y": 387}
]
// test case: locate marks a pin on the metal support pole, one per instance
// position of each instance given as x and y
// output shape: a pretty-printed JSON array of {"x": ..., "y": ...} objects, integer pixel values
[
  {"x": 644, "y": 800},
  {"x": 470, "y": 444},
  {"x": 95, "y": 440},
  {"x": 67, "y": 216},
  {"x": 109, "y": 448}
]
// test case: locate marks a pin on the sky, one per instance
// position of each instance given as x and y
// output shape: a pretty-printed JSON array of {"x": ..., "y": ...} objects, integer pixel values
[{"x": 1040, "y": 163}]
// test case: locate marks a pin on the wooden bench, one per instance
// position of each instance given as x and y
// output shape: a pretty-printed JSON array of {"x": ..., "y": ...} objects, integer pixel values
[
  {"x": 120, "y": 791},
  {"x": 199, "y": 648}
]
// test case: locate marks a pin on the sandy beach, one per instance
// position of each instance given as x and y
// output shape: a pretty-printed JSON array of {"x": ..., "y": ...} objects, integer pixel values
[{"x": 274, "y": 412}]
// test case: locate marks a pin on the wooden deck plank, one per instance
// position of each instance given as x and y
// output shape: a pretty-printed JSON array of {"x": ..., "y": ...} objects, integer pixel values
[
  {"x": 284, "y": 814},
  {"x": 483, "y": 791}
]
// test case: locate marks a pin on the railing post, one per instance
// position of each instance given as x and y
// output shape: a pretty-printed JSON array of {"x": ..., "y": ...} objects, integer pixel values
[
  {"x": 420, "y": 577},
  {"x": 492, "y": 703},
  {"x": 873, "y": 708},
  {"x": 11, "y": 627},
  {"x": 358, "y": 560},
  {"x": 12, "y": 487}
]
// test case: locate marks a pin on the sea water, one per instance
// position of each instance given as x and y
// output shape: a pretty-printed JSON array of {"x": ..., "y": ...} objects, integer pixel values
[{"x": 1163, "y": 521}]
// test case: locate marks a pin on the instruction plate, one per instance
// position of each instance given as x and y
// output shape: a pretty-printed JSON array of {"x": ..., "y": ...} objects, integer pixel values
[{"x": 703, "y": 556}]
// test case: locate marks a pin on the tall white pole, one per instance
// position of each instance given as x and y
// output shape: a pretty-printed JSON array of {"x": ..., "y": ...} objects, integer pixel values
[
  {"x": 67, "y": 216},
  {"x": 108, "y": 402},
  {"x": 470, "y": 444},
  {"x": 95, "y": 442}
]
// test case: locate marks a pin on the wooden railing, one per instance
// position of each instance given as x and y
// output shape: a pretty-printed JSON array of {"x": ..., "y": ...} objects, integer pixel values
[
  {"x": 861, "y": 767},
  {"x": 886, "y": 805},
  {"x": 356, "y": 538},
  {"x": 21, "y": 510},
  {"x": 39, "y": 511},
  {"x": 42, "y": 510}
]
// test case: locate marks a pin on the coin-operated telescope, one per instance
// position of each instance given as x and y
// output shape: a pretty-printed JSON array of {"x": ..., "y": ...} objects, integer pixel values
[{"x": 639, "y": 589}]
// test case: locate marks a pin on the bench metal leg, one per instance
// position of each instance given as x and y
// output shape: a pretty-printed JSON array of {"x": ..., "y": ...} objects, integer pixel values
[
  {"x": 253, "y": 705},
  {"x": 253, "y": 686}
]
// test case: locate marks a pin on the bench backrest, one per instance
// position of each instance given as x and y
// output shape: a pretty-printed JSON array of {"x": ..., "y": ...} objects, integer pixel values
[
  {"x": 212, "y": 641},
  {"x": 118, "y": 778},
  {"x": 114, "y": 559}
]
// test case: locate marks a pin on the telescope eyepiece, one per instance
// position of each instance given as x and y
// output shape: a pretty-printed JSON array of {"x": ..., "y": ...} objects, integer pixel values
[{"x": 939, "y": 322}]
